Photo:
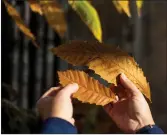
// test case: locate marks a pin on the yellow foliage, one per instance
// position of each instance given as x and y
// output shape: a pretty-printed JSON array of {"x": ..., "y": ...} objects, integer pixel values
[
  {"x": 139, "y": 4},
  {"x": 89, "y": 16},
  {"x": 123, "y": 5},
  {"x": 72, "y": 52},
  {"x": 16, "y": 17},
  {"x": 35, "y": 6},
  {"x": 54, "y": 14},
  {"x": 105, "y": 60},
  {"x": 90, "y": 90}
]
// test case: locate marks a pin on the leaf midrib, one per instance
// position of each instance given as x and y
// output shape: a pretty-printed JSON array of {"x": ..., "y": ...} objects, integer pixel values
[{"x": 86, "y": 88}]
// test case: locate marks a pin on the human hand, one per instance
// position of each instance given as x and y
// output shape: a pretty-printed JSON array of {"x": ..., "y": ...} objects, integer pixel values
[
  {"x": 130, "y": 112},
  {"x": 56, "y": 102}
]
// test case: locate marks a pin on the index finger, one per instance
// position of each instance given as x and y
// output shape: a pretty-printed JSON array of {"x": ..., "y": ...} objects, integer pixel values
[{"x": 51, "y": 92}]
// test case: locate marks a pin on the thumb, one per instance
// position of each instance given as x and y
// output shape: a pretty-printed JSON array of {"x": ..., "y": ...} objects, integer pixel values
[
  {"x": 127, "y": 84},
  {"x": 70, "y": 89}
]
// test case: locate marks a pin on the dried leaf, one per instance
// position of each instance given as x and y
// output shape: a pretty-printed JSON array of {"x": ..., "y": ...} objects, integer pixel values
[
  {"x": 110, "y": 68},
  {"x": 117, "y": 6},
  {"x": 54, "y": 14},
  {"x": 90, "y": 90},
  {"x": 105, "y": 60},
  {"x": 88, "y": 15},
  {"x": 123, "y": 5},
  {"x": 139, "y": 4},
  {"x": 35, "y": 6},
  {"x": 16, "y": 17},
  {"x": 76, "y": 52}
]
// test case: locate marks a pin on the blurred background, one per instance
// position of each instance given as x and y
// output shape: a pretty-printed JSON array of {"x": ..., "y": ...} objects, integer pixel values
[{"x": 27, "y": 71}]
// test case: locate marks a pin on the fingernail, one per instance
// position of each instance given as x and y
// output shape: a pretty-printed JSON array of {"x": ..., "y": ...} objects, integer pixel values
[
  {"x": 123, "y": 76},
  {"x": 75, "y": 85}
]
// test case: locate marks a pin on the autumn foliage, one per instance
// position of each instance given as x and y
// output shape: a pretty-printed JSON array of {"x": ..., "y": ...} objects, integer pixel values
[
  {"x": 104, "y": 60},
  {"x": 90, "y": 90},
  {"x": 54, "y": 14},
  {"x": 107, "y": 61}
]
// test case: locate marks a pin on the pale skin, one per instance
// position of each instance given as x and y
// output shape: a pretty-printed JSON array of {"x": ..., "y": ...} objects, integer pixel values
[{"x": 130, "y": 112}]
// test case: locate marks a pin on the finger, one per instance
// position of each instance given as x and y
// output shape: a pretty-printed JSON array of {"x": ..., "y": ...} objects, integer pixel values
[
  {"x": 108, "y": 107},
  {"x": 128, "y": 85},
  {"x": 48, "y": 93},
  {"x": 70, "y": 89},
  {"x": 117, "y": 99},
  {"x": 43, "y": 101},
  {"x": 51, "y": 92},
  {"x": 120, "y": 92},
  {"x": 72, "y": 121}
]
